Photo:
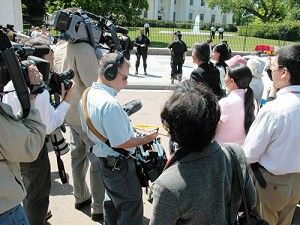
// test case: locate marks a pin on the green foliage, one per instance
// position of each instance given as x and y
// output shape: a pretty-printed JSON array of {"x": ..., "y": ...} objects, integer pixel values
[
  {"x": 121, "y": 10},
  {"x": 288, "y": 30},
  {"x": 265, "y": 10}
]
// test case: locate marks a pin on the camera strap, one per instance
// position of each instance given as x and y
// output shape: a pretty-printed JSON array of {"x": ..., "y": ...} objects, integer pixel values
[
  {"x": 89, "y": 30},
  {"x": 92, "y": 128}
]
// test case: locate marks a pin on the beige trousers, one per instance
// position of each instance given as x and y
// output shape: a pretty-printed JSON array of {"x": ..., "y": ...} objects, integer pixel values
[{"x": 277, "y": 202}]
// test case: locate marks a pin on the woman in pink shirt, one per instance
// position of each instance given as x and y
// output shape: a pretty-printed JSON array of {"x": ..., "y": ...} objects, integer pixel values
[{"x": 237, "y": 109}]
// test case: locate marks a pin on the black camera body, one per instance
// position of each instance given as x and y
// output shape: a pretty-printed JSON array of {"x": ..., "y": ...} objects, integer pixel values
[{"x": 63, "y": 78}]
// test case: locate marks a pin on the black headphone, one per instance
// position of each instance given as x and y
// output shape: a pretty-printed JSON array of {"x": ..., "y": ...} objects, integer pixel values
[{"x": 111, "y": 70}]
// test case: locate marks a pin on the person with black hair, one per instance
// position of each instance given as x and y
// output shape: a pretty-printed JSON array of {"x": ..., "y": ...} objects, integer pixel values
[
  {"x": 142, "y": 43},
  {"x": 273, "y": 141},
  {"x": 195, "y": 188},
  {"x": 178, "y": 51},
  {"x": 126, "y": 45},
  {"x": 219, "y": 56},
  {"x": 206, "y": 73},
  {"x": 238, "y": 109}
]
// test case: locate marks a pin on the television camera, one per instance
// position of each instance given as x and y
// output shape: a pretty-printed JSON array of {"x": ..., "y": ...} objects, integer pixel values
[{"x": 82, "y": 26}]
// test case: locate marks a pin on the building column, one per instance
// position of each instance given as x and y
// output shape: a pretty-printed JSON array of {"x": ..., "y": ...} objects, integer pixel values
[
  {"x": 171, "y": 10},
  {"x": 156, "y": 3}
]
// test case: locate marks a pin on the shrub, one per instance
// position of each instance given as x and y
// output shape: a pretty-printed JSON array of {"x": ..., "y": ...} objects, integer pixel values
[{"x": 288, "y": 30}]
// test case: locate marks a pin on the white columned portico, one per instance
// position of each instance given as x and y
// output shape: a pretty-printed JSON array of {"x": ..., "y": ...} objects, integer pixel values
[
  {"x": 11, "y": 13},
  {"x": 171, "y": 10},
  {"x": 156, "y": 4}
]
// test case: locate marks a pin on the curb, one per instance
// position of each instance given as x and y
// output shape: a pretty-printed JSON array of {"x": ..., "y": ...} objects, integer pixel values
[{"x": 150, "y": 87}]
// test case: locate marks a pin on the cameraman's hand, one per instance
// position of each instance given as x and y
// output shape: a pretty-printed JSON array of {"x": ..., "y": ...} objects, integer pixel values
[
  {"x": 67, "y": 94},
  {"x": 35, "y": 77},
  {"x": 151, "y": 135}
]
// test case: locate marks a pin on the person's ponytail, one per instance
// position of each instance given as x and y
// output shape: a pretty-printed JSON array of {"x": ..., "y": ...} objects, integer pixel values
[{"x": 249, "y": 109}]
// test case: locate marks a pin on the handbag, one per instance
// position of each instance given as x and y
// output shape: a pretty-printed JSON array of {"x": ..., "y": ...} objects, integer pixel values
[
  {"x": 246, "y": 216},
  {"x": 145, "y": 170}
]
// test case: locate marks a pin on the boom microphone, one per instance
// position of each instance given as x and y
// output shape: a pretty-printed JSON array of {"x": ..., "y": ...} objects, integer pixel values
[
  {"x": 132, "y": 106},
  {"x": 121, "y": 30}
]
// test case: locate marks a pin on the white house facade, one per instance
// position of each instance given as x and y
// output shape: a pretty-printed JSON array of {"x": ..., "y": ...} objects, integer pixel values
[
  {"x": 11, "y": 13},
  {"x": 184, "y": 10}
]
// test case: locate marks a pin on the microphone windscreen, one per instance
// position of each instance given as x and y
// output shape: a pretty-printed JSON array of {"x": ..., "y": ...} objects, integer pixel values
[{"x": 121, "y": 30}]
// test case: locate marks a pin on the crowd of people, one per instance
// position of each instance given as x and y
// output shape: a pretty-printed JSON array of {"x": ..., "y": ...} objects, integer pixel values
[{"x": 215, "y": 114}]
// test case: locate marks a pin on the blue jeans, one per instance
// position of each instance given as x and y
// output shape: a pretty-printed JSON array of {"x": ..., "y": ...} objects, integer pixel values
[{"x": 14, "y": 216}]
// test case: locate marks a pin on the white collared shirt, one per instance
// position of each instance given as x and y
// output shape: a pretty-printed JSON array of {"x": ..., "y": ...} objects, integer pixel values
[
  {"x": 274, "y": 137},
  {"x": 50, "y": 117}
]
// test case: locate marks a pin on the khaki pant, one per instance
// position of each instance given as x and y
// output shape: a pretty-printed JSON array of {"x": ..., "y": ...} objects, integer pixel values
[{"x": 277, "y": 202}]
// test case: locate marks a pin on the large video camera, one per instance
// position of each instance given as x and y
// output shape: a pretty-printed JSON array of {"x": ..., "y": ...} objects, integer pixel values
[
  {"x": 12, "y": 68},
  {"x": 88, "y": 27}
]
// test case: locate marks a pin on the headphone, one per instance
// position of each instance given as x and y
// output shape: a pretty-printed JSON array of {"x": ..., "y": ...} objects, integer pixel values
[{"x": 111, "y": 70}]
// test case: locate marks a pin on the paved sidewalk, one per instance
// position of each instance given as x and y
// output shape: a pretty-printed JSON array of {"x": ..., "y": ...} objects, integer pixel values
[{"x": 159, "y": 73}]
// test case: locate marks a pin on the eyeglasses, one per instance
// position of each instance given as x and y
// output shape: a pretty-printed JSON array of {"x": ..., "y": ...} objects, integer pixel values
[
  {"x": 275, "y": 66},
  {"x": 124, "y": 78}
]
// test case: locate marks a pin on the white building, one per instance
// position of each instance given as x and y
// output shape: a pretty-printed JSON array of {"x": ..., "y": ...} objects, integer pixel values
[
  {"x": 184, "y": 10},
  {"x": 11, "y": 13}
]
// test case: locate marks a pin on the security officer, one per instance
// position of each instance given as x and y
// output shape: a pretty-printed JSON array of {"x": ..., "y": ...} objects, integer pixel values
[
  {"x": 178, "y": 51},
  {"x": 142, "y": 43}
]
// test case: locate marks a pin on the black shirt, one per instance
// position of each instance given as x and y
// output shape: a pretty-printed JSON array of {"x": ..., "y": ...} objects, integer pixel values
[
  {"x": 178, "y": 49},
  {"x": 209, "y": 75},
  {"x": 143, "y": 39}
]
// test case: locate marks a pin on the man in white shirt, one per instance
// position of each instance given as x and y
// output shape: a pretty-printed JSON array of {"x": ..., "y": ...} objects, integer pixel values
[
  {"x": 36, "y": 174},
  {"x": 273, "y": 142}
]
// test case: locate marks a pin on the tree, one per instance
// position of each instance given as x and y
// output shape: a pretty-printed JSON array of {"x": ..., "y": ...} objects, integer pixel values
[
  {"x": 34, "y": 11},
  {"x": 265, "y": 10},
  {"x": 124, "y": 11}
]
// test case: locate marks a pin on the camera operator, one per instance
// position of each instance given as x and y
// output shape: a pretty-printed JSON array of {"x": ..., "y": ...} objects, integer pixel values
[
  {"x": 123, "y": 193},
  {"x": 81, "y": 58},
  {"x": 20, "y": 141},
  {"x": 36, "y": 174}
]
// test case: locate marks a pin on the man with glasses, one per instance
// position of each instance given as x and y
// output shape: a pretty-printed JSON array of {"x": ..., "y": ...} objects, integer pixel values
[
  {"x": 273, "y": 142},
  {"x": 123, "y": 203}
]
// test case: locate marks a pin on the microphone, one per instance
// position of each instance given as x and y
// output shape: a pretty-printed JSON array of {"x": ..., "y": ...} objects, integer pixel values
[
  {"x": 40, "y": 50},
  {"x": 122, "y": 30},
  {"x": 132, "y": 106}
]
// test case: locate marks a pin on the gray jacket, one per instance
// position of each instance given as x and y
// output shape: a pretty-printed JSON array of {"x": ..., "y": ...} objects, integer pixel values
[
  {"x": 197, "y": 189},
  {"x": 20, "y": 141}
]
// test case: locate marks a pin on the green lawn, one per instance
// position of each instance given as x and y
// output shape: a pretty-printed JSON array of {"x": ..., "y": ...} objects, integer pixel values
[{"x": 161, "y": 37}]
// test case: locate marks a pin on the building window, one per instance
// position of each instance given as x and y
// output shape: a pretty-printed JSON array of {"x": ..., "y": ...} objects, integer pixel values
[
  {"x": 190, "y": 16},
  {"x": 224, "y": 19},
  {"x": 174, "y": 2},
  {"x": 145, "y": 14},
  {"x": 213, "y": 18},
  {"x": 202, "y": 3},
  {"x": 202, "y": 17},
  {"x": 191, "y": 2},
  {"x": 174, "y": 16}
]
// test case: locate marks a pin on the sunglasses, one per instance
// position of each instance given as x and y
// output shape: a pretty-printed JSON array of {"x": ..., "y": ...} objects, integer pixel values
[{"x": 124, "y": 78}]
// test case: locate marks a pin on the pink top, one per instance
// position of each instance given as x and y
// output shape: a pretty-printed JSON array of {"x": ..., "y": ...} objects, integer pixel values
[{"x": 231, "y": 124}]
